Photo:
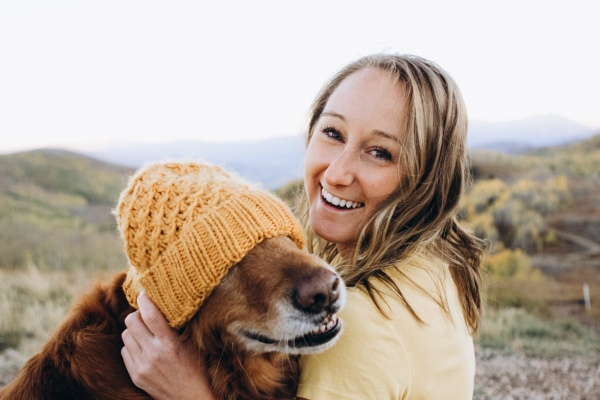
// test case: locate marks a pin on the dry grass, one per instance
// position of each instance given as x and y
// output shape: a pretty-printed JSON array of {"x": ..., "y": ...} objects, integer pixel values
[
  {"x": 517, "y": 331},
  {"x": 519, "y": 314},
  {"x": 33, "y": 303}
]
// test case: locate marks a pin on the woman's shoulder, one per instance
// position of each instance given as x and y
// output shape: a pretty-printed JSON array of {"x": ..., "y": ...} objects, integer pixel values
[
  {"x": 423, "y": 277},
  {"x": 419, "y": 304},
  {"x": 428, "y": 322},
  {"x": 419, "y": 268}
]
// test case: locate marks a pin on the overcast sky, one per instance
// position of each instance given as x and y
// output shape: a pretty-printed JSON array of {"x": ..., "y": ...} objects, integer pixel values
[{"x": 84, "y": 74}]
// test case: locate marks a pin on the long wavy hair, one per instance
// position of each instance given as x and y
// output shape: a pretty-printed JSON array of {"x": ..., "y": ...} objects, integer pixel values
[{"x": 421, "y": 215}]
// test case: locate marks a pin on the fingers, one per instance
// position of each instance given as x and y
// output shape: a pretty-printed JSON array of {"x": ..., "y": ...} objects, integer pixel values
[
  {"x": 153, "y": 318},
  {"x": 141, "y": 350},
  {"x": 137, "y": 338},
  {"x": 128, "y": 359},
  {"x": 157, "y": 360},
  {"x": 135, "y": 360},
  {"x": 147, "y": 330},
  {"x": 132, "y": 352},
  {"x": 134, "y": 324}
]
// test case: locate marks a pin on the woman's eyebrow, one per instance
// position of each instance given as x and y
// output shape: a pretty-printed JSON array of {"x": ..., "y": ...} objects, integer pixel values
[
  {"x": 376, "y": 132},
  {"x": 386, "y": 135},
  {"x": 333, "y": 114}
]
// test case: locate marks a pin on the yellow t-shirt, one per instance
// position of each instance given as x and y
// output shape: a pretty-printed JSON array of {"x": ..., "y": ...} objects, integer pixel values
[{"x": 398, "y": 357}]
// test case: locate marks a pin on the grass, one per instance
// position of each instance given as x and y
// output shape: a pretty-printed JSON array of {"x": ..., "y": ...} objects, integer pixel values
[
  {"x": 517, "y": 319},
  {"x": 539, "y": 318},
  {"x": 33, "y": 303},
  {"x": 516, "y": 330}
]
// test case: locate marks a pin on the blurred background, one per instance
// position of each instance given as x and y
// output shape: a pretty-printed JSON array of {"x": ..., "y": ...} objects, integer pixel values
[{"x": 91, "y": 91}]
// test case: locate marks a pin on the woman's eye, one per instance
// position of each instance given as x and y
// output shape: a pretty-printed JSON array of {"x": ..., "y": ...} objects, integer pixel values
[
  {"x": 382, "y": 154},
  {"x": 332, "y": 133}
]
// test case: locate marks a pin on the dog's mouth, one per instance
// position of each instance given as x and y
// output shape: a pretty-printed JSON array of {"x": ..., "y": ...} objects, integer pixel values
[{"x": 326, "y": 331}]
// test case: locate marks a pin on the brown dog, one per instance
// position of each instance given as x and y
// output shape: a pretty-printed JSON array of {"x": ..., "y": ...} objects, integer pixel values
[{"x": 276, "y": 303}]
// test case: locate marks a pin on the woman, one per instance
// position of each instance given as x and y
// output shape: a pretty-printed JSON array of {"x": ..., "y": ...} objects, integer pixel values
[{"x": 385, "y": 169}]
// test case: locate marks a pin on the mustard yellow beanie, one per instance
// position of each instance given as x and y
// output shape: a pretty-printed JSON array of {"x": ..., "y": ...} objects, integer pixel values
[{"x": 185, "y": 224}]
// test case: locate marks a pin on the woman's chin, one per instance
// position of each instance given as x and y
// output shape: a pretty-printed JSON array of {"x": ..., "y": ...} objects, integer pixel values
[{"x": 334, "y": 233}]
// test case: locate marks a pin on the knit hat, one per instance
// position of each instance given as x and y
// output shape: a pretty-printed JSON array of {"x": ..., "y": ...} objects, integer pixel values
[{"x": 185, "y": 224}]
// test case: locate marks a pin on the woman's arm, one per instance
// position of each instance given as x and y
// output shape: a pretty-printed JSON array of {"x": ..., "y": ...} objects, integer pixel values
[{"x": 157, "y": 360}]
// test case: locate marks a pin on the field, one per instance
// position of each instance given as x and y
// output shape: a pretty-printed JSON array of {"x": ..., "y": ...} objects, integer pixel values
[
  {"x": 538, "y": 340},
  {"x": 557, "y": 354}
]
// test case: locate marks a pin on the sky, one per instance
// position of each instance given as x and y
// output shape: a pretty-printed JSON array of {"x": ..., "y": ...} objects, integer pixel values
[{"x": 85, "y": 75}]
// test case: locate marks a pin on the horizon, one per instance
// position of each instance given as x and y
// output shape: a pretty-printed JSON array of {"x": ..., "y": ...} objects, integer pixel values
[
  {"x": 98, "y": 147},
  {"x": 473, "y": 142}
]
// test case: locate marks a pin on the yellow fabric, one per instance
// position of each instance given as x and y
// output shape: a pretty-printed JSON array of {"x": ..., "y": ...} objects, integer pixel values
[
  {"x": 184, "y": 224},
  {"x": 397, "y": 358}
]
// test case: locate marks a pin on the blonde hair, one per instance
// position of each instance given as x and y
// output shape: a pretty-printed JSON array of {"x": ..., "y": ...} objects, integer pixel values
[{"x": 422, "y": 213}]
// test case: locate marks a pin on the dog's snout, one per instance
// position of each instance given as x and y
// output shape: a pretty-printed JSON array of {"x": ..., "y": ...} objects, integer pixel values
[{"x": 317, "y": 291}]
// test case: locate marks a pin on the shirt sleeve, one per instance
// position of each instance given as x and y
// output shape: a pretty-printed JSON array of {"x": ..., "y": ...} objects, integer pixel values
[{"x": 367, "y": 362}]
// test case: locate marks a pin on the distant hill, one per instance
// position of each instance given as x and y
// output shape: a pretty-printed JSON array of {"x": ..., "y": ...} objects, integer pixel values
[
  {"x": 274, "y": 162},
  {"x": 579, "y": 159},
  {"x": 590, "y": 145},
  {"x": 52, "y": 171},
  {"x": 517, "y": 137},
  {"x": 271, "y": 162}
]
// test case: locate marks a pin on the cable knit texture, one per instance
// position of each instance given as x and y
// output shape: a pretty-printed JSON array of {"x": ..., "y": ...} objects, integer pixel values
[{"x": 184, "y": 224}]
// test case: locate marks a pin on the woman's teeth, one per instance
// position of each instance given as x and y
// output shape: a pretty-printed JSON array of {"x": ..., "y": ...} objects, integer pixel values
[{"x": 336, "y": 201}]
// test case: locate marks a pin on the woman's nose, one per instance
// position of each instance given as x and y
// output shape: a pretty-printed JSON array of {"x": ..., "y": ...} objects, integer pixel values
[{"x": 341, "y": 169}]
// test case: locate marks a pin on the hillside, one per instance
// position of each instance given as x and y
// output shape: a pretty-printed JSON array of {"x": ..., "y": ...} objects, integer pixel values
[
  {"x": 55, "y": 210},
  {"x": 580, "y": 159},
  {"x": 57, "y": 235},
  {"x": 60, "y": 171},
  {"x": 54, "y": 202}
]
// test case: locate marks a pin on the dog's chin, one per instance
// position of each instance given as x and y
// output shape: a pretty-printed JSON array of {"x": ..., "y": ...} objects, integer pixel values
[{"x": 315, "y": 340}]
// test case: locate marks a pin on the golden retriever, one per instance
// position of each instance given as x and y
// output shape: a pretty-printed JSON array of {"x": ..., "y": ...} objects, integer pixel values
[{"x": 277, "y": 303}]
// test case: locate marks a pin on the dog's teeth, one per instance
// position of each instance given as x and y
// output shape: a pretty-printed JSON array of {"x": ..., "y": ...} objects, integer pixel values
[{"x": 327, "y": 325}]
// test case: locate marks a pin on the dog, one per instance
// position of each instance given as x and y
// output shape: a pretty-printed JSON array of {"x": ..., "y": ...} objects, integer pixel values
[
  {"x": 276, "y": 303},
  {"x": 224, "y": 262}
]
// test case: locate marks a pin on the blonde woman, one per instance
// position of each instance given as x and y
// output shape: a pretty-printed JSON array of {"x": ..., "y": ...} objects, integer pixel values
[{"x": 385, "y": 169}]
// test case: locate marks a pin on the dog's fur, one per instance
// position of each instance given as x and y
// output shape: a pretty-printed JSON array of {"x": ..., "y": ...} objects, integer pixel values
[{"x": 276, "y": 303}]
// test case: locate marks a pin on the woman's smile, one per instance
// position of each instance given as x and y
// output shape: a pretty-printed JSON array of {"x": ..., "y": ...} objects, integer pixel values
[{"x": 339, "y": 203}]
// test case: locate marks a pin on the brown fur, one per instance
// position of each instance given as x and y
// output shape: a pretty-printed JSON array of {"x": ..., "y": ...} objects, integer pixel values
[{"x": 82, "y": 360}]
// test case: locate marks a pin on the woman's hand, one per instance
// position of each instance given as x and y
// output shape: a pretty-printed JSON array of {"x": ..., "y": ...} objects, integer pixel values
[{"x": 157, "y": 360}]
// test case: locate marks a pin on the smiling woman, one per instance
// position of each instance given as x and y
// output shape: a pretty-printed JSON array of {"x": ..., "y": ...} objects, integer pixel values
[
  {"x": 387, "y": 135},
  {"x": 385, "y": 169}
]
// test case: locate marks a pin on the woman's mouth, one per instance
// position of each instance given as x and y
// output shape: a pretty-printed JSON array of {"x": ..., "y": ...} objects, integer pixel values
[{"x": 339, "y": 203}]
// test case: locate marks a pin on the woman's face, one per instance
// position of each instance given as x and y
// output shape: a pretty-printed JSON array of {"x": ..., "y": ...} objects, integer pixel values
[{"x": 351, "y": 163}]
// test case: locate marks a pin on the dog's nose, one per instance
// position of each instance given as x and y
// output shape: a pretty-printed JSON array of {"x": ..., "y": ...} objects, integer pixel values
[{"x": 317, "y": 291}]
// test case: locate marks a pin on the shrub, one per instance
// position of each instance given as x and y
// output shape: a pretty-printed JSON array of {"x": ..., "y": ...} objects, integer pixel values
[
  {"x": 513, "y": 216},
  {"x": 512, "y": 265},
  {"x": 483, "y": 226},
  {"x": 516, "y": 330},
  {"x": 485, "y": 194}
]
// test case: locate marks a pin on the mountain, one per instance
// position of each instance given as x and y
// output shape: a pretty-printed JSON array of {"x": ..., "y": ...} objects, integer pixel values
[
  {"x": 516, "y": 137},
  {"x": 276, "y": 161},
  {"x": 272, "y": 162}
]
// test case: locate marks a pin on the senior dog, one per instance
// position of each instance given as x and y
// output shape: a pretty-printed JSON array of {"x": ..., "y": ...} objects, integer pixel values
[{"x": 223, "y": 260}]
